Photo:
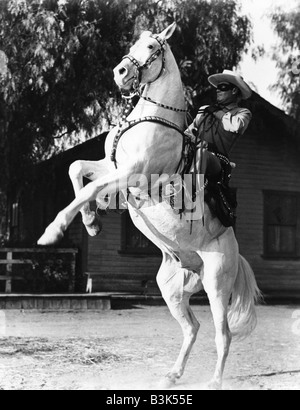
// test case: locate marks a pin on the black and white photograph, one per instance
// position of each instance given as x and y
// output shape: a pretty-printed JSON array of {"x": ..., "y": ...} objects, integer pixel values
[{"x": 149, "y": 197}]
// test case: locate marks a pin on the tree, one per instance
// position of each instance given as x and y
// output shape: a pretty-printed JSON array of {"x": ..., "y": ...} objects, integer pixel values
[
  {"x": 60, "y": 55},
  {"x": 211, "y": 36},
  {"x": 287, "y": 26}
]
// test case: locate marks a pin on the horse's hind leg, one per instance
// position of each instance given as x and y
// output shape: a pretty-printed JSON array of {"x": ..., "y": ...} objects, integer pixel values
[
  {"x": 219, "y": 307},
  {"x": 218, "y": 283},
  {"x": 190, "y": 327},
  {"x": 171, "y": 283}
]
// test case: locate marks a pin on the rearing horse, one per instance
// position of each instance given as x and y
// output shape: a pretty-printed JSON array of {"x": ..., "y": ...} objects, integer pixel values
[{"x": 206, "y": 256}]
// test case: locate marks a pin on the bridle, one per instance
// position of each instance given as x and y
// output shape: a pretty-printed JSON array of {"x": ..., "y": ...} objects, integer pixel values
[
  {"x": 139, "y": 72},
  {"x": 125, "y": 125},
  {"x": 146, "y": 66}
]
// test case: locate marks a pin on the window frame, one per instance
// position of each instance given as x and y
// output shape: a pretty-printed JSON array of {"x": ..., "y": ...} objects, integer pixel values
[
  {"x": 281, "y": 255},
  {"x": 132, "y": 251}
]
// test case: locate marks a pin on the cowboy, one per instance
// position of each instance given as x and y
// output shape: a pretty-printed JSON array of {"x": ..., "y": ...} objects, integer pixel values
[{"x": 216, "y": 128}]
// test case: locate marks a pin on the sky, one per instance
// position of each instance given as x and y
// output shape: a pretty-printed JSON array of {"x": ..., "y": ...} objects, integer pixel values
[{"x": 263, "y": 73}]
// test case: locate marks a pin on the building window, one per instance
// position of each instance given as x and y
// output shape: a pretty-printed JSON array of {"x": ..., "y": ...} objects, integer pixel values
[
  {"x": 133, "y": 241},
  {"x": 282, "y": 224}
]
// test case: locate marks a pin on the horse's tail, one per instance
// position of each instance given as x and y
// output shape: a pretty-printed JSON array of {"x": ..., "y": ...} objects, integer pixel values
[{"x": 242, "y": 315}]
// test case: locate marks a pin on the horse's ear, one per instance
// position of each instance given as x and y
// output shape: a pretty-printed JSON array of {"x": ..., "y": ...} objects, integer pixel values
[{"x": 168, "y": 32}]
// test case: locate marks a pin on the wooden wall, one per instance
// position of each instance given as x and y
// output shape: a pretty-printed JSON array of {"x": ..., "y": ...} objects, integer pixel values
[
  {"x": 266, "y": 158},
  {"x": 113, "y": 270},
  {"x": 264, "y": 163}
]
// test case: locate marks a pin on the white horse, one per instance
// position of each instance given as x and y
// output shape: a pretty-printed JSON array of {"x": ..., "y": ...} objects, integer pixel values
[{"x": 206, "y": 256}]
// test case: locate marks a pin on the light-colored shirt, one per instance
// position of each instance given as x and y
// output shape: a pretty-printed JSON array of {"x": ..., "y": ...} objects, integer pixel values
[{"x": 220, "y": 129}]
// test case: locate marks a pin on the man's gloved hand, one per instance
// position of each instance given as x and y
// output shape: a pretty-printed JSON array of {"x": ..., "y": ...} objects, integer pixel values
[{"x": 211, "y": 109}]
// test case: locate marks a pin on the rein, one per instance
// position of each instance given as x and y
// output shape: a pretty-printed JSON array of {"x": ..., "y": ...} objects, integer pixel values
[
  {"x": 127, "y": 125},
  {"x": 146, "y": 65},
  {"x": 167, "y": 107}
]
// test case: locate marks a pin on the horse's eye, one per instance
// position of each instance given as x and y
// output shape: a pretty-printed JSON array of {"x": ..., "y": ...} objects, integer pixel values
[{"x": 150, "y": 47}]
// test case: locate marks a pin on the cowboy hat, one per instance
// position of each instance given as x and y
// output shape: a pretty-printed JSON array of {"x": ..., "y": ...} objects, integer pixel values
[{"x": 233, "y": 78}]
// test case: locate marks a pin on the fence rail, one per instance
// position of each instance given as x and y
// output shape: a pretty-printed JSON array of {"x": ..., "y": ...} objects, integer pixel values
[{"x": 10, "y": 261}]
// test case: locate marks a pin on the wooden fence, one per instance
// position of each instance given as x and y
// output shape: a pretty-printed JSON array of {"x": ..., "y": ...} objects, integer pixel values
[{"x": 9, "y": 261}]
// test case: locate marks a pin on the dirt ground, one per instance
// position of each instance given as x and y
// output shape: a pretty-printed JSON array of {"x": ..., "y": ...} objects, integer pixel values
[{"x": 131, "y": 349}]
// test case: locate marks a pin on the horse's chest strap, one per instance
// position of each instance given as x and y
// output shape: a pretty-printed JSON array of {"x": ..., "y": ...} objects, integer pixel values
[{"x": 130, "y": 124}]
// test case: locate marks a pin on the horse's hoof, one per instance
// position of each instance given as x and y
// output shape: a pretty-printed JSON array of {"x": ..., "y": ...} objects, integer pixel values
[
  {"x": 214, "y": 385},
  {"x": 167, "y": 383},
  {"x": 94, "y": 225},
  {"x": 52, "y": 235}
]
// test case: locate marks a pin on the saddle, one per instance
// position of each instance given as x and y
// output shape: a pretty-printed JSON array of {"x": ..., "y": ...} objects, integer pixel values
[{"x": 218, "y": 195}]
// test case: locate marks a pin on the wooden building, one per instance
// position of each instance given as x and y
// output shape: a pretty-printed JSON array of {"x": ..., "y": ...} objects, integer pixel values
[{"x": 267, "y": 180}]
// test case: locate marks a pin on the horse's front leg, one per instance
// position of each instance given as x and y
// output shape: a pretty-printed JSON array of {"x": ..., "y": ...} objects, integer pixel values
[
  {"x": 90, "y": 170},
  {"x": 108, "y": 184}
]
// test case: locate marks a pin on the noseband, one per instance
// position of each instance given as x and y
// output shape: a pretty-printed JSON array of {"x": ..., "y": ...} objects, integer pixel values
[
  {"x": 124, "y": 124},
  {"x": 146, "y": 65}
]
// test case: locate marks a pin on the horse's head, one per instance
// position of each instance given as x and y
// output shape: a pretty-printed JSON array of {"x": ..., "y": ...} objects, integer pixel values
[{"x": 145, "y": 61}]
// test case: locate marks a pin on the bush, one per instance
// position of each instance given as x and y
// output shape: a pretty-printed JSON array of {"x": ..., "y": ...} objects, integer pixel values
[{"x": 47, "y": 273}]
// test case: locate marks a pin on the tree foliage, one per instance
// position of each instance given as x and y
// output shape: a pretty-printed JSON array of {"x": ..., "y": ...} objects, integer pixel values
[
  {"x": 211, "y": 35},
  {"x": 287, "y": 26},
  {"x": 60, "y": 55}
]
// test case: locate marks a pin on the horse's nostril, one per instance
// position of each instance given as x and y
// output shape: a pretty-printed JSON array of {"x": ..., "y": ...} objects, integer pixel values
[{"x": 122, "y": 71}]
